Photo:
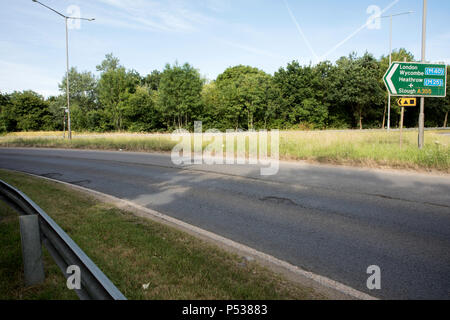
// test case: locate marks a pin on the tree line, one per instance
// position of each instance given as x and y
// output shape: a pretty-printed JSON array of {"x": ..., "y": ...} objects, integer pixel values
[{"x": 347, "y": 94}]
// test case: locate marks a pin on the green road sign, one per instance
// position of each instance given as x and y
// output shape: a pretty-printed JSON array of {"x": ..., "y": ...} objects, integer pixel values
[{"x": 413, "y": 79}]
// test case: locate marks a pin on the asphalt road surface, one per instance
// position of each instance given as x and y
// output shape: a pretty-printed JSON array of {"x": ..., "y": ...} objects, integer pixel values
[{"x": 333, "y": 221}]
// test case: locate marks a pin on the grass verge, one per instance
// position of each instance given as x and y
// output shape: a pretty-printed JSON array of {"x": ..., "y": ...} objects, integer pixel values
[
  {"x": 369, "y": 149},
  {"x": 132, "y": 251},
  {"x": 11, "y": 266},
  {"x": 357, "y": 148}
]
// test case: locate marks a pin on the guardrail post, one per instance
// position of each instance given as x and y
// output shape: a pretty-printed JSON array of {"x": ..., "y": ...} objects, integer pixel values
[
  {"x": 31, "y": 250},
  {"x": 34, "y": 223}
]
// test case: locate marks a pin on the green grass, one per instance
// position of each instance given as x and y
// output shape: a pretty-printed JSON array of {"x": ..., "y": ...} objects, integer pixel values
[
  {"x": 132, "y": 251},
  {"x": 95, "y": 143},
  {"x": 369, "y": 149},
  {"x": 359, "y": 148},
  {"x": 11, "y": 266}
]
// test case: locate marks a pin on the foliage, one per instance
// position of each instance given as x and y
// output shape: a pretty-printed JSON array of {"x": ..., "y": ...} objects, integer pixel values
[
  {"x": 140, "y": 112},
  {"x": 179, "y": 96},
  {"x": 356, "y": 86},
  {"x": 114, "y": 87},
  {"x": 347, "y": 94},
  {"x": 303, "y": 93},
  {"x": 242, "y": 96},
  {"x": 25, "y": 111}
]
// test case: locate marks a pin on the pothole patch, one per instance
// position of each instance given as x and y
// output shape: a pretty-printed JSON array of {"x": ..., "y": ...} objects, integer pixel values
[
  {"x": 52, "y": 175},
  {"x": 279, "y": 200},
  {"x": 81, "y": 182}
]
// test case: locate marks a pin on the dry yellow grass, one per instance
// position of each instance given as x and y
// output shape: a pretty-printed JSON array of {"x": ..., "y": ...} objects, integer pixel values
[{"x": 362, "y": 148}]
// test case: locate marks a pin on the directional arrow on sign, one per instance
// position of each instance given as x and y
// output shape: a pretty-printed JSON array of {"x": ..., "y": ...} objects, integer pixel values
[{"x": 388, "y": 78}]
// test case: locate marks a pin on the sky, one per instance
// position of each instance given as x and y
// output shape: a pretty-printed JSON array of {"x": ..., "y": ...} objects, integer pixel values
[{"x": 211, "y": 35}]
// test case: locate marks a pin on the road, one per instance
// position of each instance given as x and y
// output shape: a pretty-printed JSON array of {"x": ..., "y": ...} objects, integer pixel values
[{"x": 333, "y": 221}]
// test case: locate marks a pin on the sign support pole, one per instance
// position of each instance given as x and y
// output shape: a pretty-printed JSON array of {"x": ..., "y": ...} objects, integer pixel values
[
  {"x": 402, "y": 117},
  {"x": 401, "y": 126},
  {"x": 422, "y": 99}
]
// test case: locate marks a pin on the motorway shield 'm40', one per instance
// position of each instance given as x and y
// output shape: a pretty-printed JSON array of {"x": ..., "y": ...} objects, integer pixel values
[{"x": 412, "y": 79}]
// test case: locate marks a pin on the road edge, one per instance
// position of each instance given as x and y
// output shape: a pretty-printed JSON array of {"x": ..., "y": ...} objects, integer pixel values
[
  {"x": 300, "y": 162},
  {"x": 321, "y": 284}
]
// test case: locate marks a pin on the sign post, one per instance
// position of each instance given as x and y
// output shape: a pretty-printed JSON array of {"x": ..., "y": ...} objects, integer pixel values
[
  {"x": 401, "y": 126},
  {"x": 404, "y": 102},
  {"x": 421, "y": 138}
]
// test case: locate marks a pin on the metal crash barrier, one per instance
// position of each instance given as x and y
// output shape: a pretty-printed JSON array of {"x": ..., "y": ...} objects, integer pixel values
[{"x": 38, "y": 228}]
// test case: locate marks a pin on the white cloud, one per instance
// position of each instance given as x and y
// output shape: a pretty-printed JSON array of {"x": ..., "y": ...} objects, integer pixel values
[
  {"x": 168, "y": 16},
  {"x": 217, "y": 5}
]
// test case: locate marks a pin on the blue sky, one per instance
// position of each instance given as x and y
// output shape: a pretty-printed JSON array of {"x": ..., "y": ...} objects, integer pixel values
[{"x": 210, "y": 34}]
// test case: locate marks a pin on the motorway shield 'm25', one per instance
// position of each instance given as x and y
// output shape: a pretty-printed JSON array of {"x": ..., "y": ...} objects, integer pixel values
[{"x": 412, "y": 79}]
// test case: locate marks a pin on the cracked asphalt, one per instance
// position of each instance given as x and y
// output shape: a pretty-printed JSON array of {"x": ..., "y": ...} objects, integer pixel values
[{"x": 333, "y": 221}]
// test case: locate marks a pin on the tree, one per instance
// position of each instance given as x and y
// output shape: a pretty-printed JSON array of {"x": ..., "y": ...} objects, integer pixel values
[
  {"x": 349, "y": 93},
  {"x": 109, "y": 63},
  {"x": 140, "y": 113},
  {"x": 179, "y": 97},
  {"x": 255, "y": 89},
  {"x": 303, "y": 93},
  {"x": 82, "y": 87},
  {"x": 29, "y": 111},
  {"x": 437, "y": 109},
  {"x": 243, "y": 94},
  {"x": 56, "y": 106},
  {"x": 397, "y": 55},
  {"x": 83, "y": 98},
  {"x": 152, "y": 80},
  {"x": 113, "y": 88},
  {"x": 356, "y": 86},
  {"x": 210, "y": 103},
  {"x": 8, "y": 121},
  {"x": 447, "y": 101}
]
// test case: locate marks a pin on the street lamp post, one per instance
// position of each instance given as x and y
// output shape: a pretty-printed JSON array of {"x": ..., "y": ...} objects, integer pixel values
[
  {"x": 390, "y": 59},
  {"x": 66, "y": 18}
]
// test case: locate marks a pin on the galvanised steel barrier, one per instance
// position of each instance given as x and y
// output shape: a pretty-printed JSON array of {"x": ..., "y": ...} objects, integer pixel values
[{"x": 94, "y": 284}]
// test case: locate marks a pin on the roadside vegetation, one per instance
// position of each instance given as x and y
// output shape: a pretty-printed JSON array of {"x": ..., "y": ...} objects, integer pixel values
[
  {"x": 132, "y": 251},
  {"x": 369, "y": 149},
  {"x": 346, "y": 94},
  {"x": 297, "y": 99},
  {"x": 358, "y": 148}
]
